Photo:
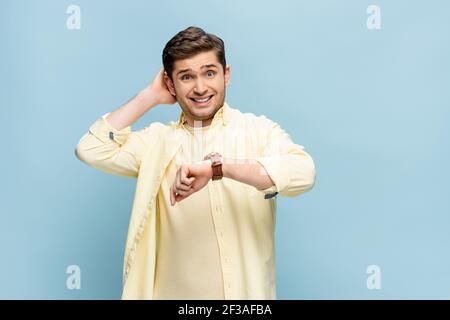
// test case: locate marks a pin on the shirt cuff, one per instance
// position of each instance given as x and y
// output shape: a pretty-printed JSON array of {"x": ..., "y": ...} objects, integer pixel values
[
  {"x": 105, "y": 132},
  {"x": 270, "y": 165}
]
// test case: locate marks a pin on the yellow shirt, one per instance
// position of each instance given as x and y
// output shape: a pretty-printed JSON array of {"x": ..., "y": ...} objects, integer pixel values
[
  {"x": 187, "y": 255},
  {"x": 243, "y": 217}
]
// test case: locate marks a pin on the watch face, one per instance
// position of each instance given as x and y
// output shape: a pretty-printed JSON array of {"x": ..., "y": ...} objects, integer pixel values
[
  {"x": 214, "y": 157},
  {"x": 217, "y": 158}
]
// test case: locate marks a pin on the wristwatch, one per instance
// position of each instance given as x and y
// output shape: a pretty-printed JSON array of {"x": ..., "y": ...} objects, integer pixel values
[{"x": 216, "y": 164}]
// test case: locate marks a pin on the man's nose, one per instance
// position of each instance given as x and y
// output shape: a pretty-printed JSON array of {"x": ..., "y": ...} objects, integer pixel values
[{"x": 200, "y": 87}]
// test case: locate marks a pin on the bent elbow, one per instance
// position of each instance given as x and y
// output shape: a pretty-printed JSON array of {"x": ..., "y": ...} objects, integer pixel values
[
  {"x": 85, "y": 149},
  {"x": 311, "y": 176},
  {"x": 81, "y": 154},
  {"x": 302, "y": 182}
]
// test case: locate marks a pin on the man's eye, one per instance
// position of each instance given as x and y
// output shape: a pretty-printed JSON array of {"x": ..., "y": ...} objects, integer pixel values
[
  {"x": 211, "y": 73},
  {"x": 185, "y": 77}
]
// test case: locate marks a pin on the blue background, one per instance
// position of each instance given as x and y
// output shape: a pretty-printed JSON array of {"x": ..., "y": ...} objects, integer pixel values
[{"x": 370, "y": 106}]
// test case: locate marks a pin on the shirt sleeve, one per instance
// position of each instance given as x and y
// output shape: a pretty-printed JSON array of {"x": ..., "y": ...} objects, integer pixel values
[
  {"x": 117, "y": 152},
  {"x": 290, "y": 167}
]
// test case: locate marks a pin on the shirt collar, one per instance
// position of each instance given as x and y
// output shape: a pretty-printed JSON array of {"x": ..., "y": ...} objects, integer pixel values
[{"x": 222, "y": 116}]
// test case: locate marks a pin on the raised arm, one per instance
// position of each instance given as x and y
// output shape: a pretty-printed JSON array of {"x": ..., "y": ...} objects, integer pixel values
[{"x": 110, "y": 145}]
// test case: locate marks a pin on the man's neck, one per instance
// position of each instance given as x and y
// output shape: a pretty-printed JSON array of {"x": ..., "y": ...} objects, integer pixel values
[{"x": 197, "y": 123}]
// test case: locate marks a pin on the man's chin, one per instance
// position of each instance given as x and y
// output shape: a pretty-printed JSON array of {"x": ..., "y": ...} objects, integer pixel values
[
  {"x": 202, "y": 117},
  {"x": 199, "y": 113}
]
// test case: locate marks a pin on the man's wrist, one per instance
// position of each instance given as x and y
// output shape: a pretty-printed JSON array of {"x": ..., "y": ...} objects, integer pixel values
[
  {"x": 208, "y": 168},
  {"x": 225, "y": 169},
  {"x": 148, "y": 98}
]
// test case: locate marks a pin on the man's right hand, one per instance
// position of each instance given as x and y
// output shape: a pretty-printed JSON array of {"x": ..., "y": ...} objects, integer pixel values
[{"x": 158, "y": 91}]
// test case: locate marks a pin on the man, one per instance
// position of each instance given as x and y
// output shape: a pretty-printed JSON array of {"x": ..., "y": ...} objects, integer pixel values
[{"x": 203, "y": 218}]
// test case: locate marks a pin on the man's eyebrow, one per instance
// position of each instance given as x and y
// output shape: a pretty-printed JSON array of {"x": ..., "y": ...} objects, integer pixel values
[{"x": 211, "y": 65}]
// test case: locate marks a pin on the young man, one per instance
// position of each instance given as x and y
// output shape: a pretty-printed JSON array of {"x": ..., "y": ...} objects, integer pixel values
[{"x": 203, "y": 218}]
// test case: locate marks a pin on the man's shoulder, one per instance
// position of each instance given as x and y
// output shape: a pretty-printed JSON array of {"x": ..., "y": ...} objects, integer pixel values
[
  {"x": 154, "y": 126},
  {"x": 249, "y": 118},
  {"x": 151, "y": 131}
]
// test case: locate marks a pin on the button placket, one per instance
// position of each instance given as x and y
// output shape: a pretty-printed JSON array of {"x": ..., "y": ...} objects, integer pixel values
[{"x": 224, "y": 254}]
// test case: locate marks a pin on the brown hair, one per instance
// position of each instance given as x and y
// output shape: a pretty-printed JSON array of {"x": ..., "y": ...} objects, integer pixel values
[{"x": 189, "y": 42}]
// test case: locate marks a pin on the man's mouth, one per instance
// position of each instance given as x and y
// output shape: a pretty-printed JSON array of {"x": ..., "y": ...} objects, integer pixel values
[{"x": 201, "y": 101}]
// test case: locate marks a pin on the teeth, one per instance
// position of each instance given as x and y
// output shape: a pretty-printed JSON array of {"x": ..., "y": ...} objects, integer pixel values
[{"x": 202, "y": 100}]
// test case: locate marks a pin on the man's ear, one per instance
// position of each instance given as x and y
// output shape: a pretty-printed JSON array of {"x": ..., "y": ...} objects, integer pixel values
[
  {"x": 227, "y": 75},
  {"x": 169, "y": 84}
]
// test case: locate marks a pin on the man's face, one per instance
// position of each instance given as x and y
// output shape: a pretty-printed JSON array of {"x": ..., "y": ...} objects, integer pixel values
[{"x": 199, "y": 86}]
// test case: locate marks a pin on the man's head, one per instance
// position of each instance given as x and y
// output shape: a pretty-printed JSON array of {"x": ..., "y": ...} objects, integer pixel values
[{"x": 196, "y": 69}]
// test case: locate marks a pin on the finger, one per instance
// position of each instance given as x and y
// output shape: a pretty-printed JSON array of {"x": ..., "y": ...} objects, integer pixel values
[
  {"x": 181, "y": 186},
  {"x": 191, "y": 179},
  {"x": 175, "y": 189},
  {"x": 181, "y": 192},
  {"x": 188, "y": 181},
  {"x": 180, "y": 197},
  {"x": 184, "y": 172},
  {"x": 172, "y": 196}
]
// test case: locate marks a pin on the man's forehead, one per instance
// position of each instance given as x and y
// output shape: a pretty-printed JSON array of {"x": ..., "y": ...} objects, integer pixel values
[{"x": 196, "y": 62}]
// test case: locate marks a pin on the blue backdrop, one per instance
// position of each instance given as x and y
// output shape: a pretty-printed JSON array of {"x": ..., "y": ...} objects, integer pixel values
[{"x": 370, "y": 105}]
